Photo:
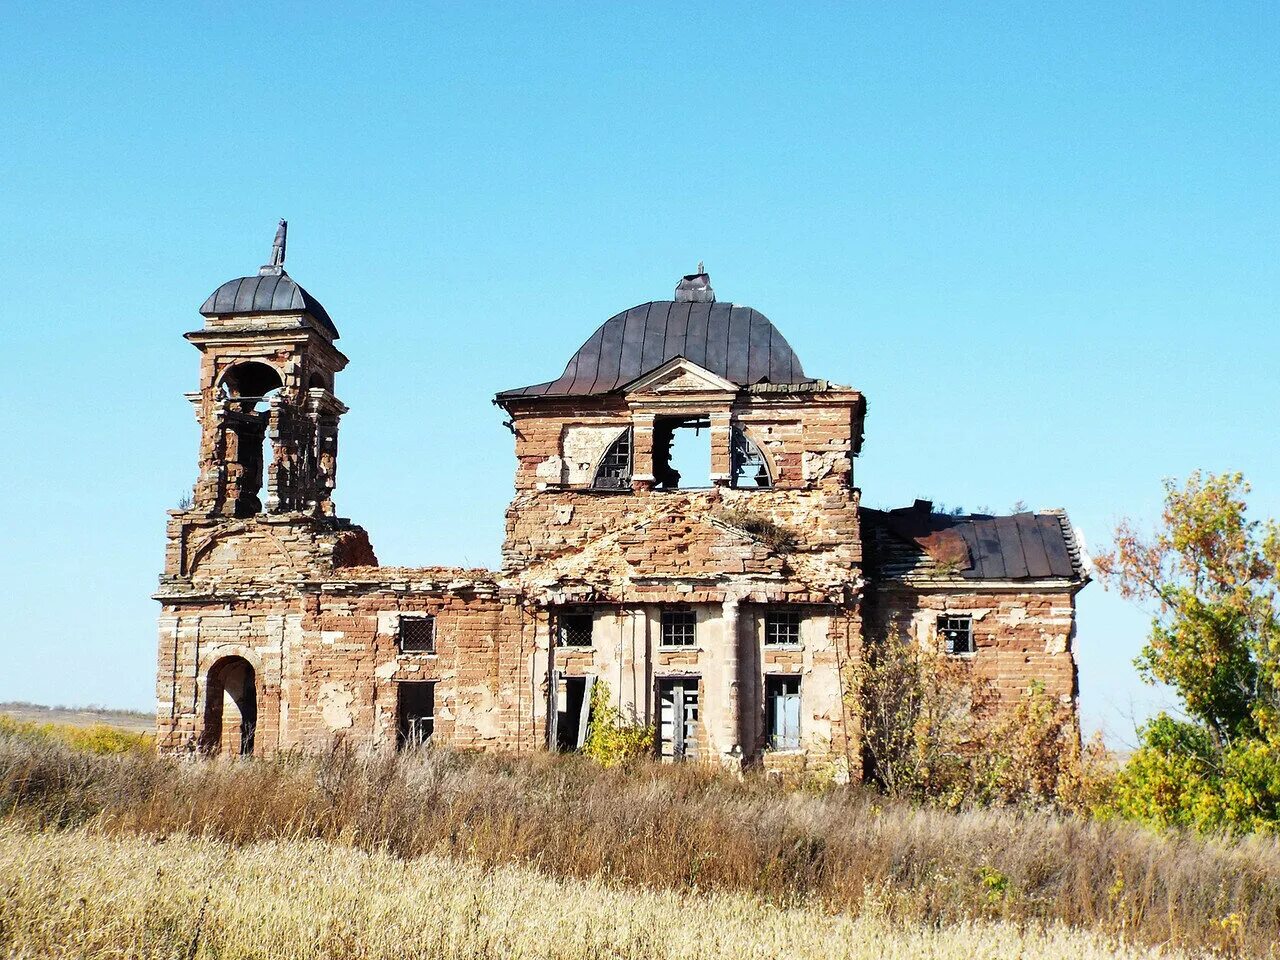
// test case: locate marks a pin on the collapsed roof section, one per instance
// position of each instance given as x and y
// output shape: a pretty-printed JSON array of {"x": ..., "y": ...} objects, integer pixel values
[{"x": 914, "y": 544}]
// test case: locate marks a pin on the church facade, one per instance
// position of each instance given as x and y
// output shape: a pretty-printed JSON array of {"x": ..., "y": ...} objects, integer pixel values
[{"x": 725, "y": 610}]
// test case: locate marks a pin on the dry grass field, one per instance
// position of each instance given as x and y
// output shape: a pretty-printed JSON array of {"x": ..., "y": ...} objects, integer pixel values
[
  {"x": 94, "y": 897},
  {"x": 653, "y": 860}
]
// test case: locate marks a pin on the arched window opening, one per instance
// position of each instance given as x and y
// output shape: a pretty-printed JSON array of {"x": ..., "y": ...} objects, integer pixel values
[
  {"x": 682, "y": 453},
  {"x": 248, "y": 389},
  {"x": 317, "y": 381},
  {"x": 230, "y": 709},
  {"x": 750, "y": 469},
  {"x": 614, "y": 472}
]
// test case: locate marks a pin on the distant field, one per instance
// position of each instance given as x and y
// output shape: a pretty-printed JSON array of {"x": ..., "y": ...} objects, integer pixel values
[{"x": 132, "y": 721}]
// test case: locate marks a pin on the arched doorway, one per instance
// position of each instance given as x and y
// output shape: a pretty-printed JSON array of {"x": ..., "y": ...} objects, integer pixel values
[{"x": 231, "y": 708}]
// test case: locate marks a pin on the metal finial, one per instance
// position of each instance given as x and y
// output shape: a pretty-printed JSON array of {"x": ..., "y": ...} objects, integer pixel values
[
  {"x": 701, "y": 267},
  {"x": 278, "y": 245}
]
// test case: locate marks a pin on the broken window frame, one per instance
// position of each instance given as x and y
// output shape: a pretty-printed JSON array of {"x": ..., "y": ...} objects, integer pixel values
[
  {"x": 614, "y": 470},
  {"x": 782, "y": 710},
  {"x": 955, "y": 632},
  {"x": 679, "y": 628},
  {"x": 678, "y": 732},
  {"x": 665, "y": 477},
  {"x": 570, "y": 629},
  {"x": 782, "y": 627},
  {"x": 746, "y": 455},
  {"x": 415, "y": 732},
  {"x": 417, "y": 645}
]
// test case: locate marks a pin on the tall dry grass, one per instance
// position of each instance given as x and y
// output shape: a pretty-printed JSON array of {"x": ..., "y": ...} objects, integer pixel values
[
  {"x": 97, "y": 898},
  {"x": 681, "y": 828}
]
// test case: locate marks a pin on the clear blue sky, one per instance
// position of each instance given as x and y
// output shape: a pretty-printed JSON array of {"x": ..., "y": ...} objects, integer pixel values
[{"x": 1041, "y": 239}]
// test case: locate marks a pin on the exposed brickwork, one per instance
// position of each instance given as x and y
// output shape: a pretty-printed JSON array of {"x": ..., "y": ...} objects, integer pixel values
[{"x": 279, "y": 630}]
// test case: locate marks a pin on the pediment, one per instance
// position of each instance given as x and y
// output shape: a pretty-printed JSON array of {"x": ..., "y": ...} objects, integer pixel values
[{"x": 678, "y": 376}]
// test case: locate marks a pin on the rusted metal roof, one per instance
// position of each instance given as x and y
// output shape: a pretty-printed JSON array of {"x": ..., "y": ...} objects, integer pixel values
[
  {"x": 734, "y": 342},
  {"x": 914, "y": 543},
  {"x": 275, "y": 292}
]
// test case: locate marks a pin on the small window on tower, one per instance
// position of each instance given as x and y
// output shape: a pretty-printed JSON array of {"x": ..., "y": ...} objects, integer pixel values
[
  {"x": 956, "y": 634},
  {"x": 573, "y": 628},
  {"x": 417, "y": 634},
  {"x": 749, "y": 468},
  {"x": 614, "y": 472}
]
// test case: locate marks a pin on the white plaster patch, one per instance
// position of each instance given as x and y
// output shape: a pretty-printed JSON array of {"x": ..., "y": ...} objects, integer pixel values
[
  {"x": 815, "y": 466},
  {"x": 564, "y": 513},
  {"x": 386, "y": 671},
  {"x": 551, "y": 470},
  {"x": 1056, "y": 644},
  {"x": 335, "y": 706},
  {"x": 331, "y": 636},
  {"x": 582, "y": 448},
  {"x": 1015, "y": 616}
]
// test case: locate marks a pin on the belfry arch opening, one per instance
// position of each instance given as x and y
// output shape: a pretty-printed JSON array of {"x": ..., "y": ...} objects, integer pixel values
[
  {"x": 231, "y": 708},
  {"x": 247, "y": 390}
]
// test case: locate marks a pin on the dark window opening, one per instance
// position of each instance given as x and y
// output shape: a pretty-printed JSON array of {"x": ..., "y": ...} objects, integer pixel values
[
  {"x": 418, "y": 634},
  {"x": 678, "y": 717},
  {"x": 782, "y": 628},
  {"x": 750, "y": 470},
  {"x": 681, "y": 453},
  {"x": 679, "y": 627},
  {"x": 572, "y": 712},
  {"x": 415, "y": 713},
  {"x": 782, "y": 708},
  {"x": 614, "y": 472},
  {"x": 573, "y": 628},
  {"x": 957, "y": 634}
]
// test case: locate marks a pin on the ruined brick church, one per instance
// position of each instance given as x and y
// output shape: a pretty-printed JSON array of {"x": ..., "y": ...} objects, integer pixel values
[{"x": 723, "y": 610}]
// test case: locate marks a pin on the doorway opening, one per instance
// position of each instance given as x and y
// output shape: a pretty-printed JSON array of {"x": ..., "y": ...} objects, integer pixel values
[
  {"x": 678, "y": 718},
  {"x": 230, "y": 708},
  {"x": 782, "y": 709},
  {"x": 573, "y": 712},
  {"x": 415, "y": 713}
]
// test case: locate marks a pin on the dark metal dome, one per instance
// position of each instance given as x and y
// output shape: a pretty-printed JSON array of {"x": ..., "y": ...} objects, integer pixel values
[
  {"x": 734, "y": 342},
  {"x": 274, "y": 292}
]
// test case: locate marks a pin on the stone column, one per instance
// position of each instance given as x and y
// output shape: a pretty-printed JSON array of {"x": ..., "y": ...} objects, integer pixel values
[{"x": 732, "y": 684}]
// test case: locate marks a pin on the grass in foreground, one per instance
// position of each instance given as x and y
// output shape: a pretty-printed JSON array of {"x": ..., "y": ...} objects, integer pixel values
[
  {"x": 680, "y": 828},
  {"x": 95, "y": 898}
]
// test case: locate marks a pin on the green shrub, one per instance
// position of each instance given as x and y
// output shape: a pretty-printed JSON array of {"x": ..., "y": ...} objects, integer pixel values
[{"x": 613, "y": 739}]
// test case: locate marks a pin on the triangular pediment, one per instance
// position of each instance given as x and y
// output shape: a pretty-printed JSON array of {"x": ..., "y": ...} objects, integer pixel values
[{"x": 679, "y": 375}]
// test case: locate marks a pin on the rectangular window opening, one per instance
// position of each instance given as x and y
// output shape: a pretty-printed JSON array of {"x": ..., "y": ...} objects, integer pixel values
[
  {"x": 782, "y": 708},
  {"x": 417, "y": 634},
  {"x": 573, "y": 628},
  {"x": 682, "y": 453},
  {"x": 678, "y": 718},
  {"x": 956, "y": 634},
  {"x": 415, "y": 713},
  {"x": 679, "y": 627},
  {"x": 782, "y": 628}
]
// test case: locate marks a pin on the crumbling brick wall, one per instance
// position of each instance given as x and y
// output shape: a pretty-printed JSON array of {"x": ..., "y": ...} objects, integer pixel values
[{"x": 1023, "y": 636}]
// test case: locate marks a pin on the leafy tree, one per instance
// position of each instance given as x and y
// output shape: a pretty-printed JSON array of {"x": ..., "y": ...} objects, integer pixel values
[{"x": 1211, "y": 574}]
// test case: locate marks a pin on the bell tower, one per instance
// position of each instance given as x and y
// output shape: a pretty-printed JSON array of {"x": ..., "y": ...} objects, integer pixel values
[{"x": 267, "y": 411}]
